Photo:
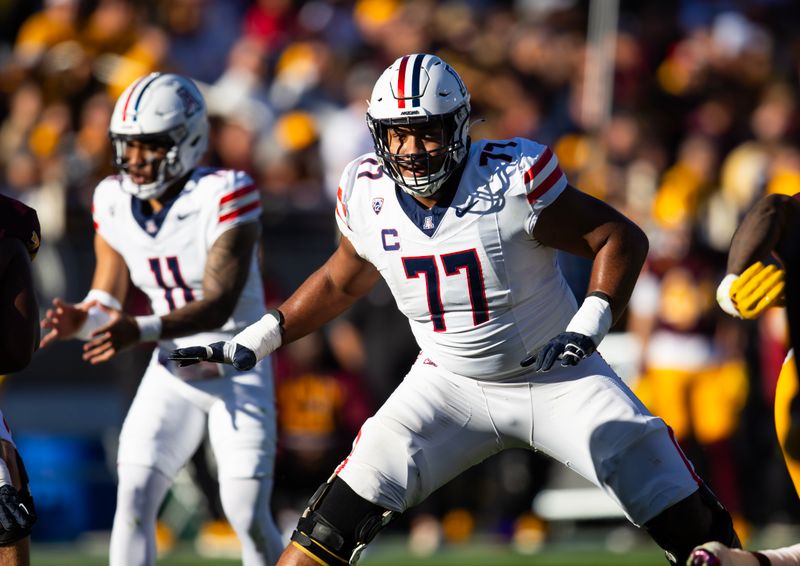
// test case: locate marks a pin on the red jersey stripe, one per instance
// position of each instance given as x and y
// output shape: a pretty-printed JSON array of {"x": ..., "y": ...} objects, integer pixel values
[
  {"x": 339, "y": 198},
  {"x": 554, "y": 176},
  {"x": 344, "y": 462},
  {"x": 236, "y": 194},
  {"x": 401, "y": 83},
  {"x": 688, "y": 464},
  {"x": 540, "y": 164},
  {"x": 240, "y": 211}
]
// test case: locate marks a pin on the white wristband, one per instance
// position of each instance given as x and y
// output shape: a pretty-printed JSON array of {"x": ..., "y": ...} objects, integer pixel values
[
  {"x": 5, "y": 475},
  {"x": 95, "y": 318},
  {"x": 724, "y": 295},
  {"x": 149, "y": 327},
  {"x": 262, "y": 337},
  {"x": 103, "y": 297},
  {"x": 593, "y": 319}
]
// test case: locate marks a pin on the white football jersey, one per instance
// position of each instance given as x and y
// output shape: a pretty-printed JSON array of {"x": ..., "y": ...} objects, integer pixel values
[
  {"x": 166, "y": 252},
  {"x": 479, "y": 291}
]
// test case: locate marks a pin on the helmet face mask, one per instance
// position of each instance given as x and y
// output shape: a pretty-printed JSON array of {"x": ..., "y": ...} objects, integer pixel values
[
  {"x": 164, "y": 115},
  {"x": 422, "y": 95}
]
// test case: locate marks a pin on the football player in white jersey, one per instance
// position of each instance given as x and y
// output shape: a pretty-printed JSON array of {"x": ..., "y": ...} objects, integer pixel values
[
  {"x": 465, "y": 234},
  {"x": 185, "y": 235}
]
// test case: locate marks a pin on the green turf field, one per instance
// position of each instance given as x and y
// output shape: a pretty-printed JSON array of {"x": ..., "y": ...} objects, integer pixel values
[{"x": 395, "y": 555}]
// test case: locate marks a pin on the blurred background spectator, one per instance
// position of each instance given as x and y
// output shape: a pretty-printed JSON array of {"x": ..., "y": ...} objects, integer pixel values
[{"x": 698, "y": 120}]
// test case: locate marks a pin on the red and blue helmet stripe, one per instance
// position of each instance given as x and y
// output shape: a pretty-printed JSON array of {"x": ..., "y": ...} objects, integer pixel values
[{"x": 404, "y": 81}]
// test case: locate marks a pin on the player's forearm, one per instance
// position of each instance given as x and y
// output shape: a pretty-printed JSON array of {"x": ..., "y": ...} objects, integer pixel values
[
  {"x": 198, "y": 316},
  {"x": 617, "y": 265},
  {"x": 318, "y": 301},
  {"x": 758, "y": 234},
  {"x": 226, "y": 271}
]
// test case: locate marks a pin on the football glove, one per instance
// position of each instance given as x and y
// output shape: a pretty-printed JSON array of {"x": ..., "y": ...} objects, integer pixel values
[
  {"x": 240, "y": 357},
  {"x": 569, "y": 347},
  {"x": 16, "y": 518},
  {"x": 754, "y": 291},
  {"x": 717, "y": 554}
]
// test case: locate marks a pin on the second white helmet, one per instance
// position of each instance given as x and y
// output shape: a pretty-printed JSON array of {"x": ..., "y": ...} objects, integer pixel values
[
  {"x": 166, "y": 110},
  {"x": 420, "y": 89}
]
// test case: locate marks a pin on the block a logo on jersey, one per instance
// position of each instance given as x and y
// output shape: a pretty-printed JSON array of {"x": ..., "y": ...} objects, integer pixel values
[{"x": 377, "y": 204}]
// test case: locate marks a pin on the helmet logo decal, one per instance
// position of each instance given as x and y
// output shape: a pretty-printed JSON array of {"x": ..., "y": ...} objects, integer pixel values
[
  {"x": 190, "y": 104},
  {"x": 461, "y": 86}
]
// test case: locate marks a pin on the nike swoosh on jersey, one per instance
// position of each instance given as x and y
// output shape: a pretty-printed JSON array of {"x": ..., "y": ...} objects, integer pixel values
[{"x": 462, "y": 210}]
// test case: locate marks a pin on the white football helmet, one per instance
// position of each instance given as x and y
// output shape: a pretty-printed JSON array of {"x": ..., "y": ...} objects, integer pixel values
[
  {"x": 420, "y": 89},
  {"x": 163, "y": 110}
]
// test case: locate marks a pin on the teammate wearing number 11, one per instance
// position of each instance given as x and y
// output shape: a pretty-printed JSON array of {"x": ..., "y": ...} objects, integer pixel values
[
  {"x": 465, "y": 234},
  {"x": 186, "y": 236}
]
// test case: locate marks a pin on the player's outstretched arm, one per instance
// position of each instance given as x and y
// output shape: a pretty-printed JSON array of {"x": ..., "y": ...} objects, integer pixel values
[
  {"x": 327, "y": 293},
  {"x": 766, "y": 228},
  {"x": 225, "y": 274},
  {"x": 752, "y": 285},
  {"x": 582, "y": 225},
  {"x": 94, "y": 313}
]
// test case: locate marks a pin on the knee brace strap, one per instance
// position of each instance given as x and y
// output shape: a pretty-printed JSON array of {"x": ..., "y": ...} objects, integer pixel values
[
  {"x": 338, "y": 524},
  {"x": 315, "y": 550}
]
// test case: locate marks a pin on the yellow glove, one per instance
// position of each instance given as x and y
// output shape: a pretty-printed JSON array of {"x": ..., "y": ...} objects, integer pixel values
[{"x": 754, "y": 291}]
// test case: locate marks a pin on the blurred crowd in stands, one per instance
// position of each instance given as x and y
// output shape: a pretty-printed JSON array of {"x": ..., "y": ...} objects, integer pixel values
[{"x": 703, "y": 122}]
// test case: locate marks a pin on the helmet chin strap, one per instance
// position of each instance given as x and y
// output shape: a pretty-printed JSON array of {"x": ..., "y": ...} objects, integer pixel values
[{"x": 428, "y": 189}]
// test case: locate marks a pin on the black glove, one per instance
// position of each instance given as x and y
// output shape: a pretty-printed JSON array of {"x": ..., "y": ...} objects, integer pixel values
[
  {"x": 16, "y": 516},
  {"x": 243, "y": 358},
  {"x": 569, "y": 347}
]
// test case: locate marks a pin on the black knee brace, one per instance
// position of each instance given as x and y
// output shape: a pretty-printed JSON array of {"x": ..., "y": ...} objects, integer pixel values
[
  {"x": 338, "y": 524},
  {"x": 720, "y": 529}
]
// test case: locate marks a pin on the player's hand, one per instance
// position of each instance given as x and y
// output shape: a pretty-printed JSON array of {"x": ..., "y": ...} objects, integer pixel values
[
  {"x": 717, "y": 554},
  {"x": 240, "y": 357},
  {"x": 120, "y": 332},
  {"x": 754, "y": 291},
  {"x": 15, "y": 516},
  {"x": 64, "y": 320},
  {"x": 569, "y": 347}
]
